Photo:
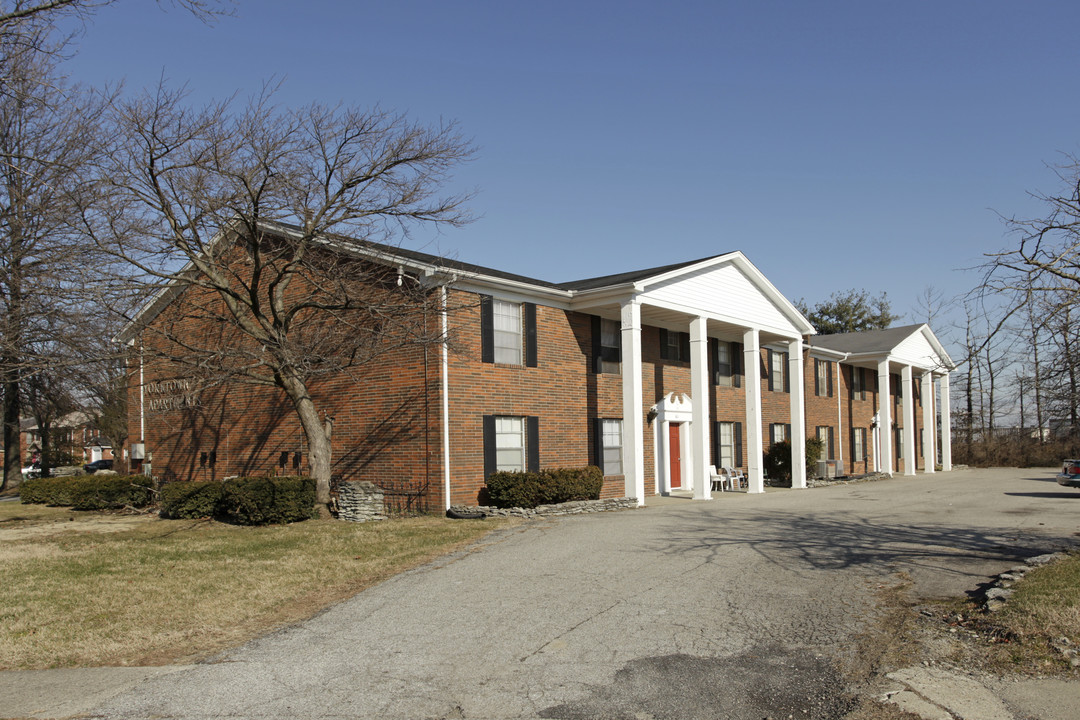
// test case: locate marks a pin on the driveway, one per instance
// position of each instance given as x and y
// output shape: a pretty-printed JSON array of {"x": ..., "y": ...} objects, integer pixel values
[{"x": 736, "y": 608}]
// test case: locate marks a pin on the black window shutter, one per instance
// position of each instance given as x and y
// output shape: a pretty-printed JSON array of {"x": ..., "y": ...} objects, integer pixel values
[
  {"x": 490, "y": 461},
  {"x": 487, "y": 330},
  {"x": 530, "y": 334},
  {"x": 829, "y": 367},
  {"x": 716, "y": 444},
  {"x": 597, "y": 348},
  {"x": 787, "y": 431},
  {"x": 736, "y": 364},
  {"x": 684, "y": 347},
  {"x": 832, "y": 454},
  {"x": 738, "y": 444},
  {"x": 787, "y": 373},
  {"x": 532, "y": 444},
  {"x": 663, "y": 344},
  {"x": 598, "y": 443},
  {"x": 817, "y": 377},
  {"x": 769, "y": 366},
  {"x": 714, "y": 360}
]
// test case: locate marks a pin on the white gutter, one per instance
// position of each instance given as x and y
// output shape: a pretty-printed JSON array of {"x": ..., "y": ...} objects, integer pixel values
[{"x": 445, "y": 400}]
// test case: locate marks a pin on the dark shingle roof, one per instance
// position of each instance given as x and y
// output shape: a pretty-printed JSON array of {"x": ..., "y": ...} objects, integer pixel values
[
  {"x": 627, "y": 277},
  {"x": 867, "y": 341}
]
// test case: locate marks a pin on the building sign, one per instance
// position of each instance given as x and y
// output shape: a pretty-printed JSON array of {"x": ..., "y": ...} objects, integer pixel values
[{"x": 176, "y": 394}]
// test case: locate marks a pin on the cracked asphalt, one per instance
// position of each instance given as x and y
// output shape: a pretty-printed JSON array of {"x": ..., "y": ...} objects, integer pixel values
[{"x": 736, "y": 608}]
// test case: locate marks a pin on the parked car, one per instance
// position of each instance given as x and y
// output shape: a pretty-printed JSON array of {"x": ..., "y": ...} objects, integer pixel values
[
  {"x": 32, "y": 470},
  {"x": 93, "y": 467},
  {"x": 1070, "y": 474}
]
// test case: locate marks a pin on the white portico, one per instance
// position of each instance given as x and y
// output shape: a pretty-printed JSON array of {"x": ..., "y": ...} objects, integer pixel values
[
  {"x": 904, "y": 360},
  {"x": 722, "y": 300}
]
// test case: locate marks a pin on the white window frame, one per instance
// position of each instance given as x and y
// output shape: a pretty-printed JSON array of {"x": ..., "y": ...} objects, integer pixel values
[
  {"x": 822, "y": 370},
  {"x": 612, "y": 441},
  {"x": 726, "y": 446},
  {"x": 725, "y": 365},
  {"x": 610, "y": 337},
  {"x": 509, "y": 443},
  {"x": 507, "y": 332},
  {"x": 778, "y": 371}
]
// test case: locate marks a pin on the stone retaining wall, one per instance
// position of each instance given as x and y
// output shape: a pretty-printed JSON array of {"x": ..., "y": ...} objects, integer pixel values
[
  {"x": 361, "y": 501},
  {"x": 568, "y": 508}
]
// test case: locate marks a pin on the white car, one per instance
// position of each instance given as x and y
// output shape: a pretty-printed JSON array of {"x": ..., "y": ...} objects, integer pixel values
[{"x": 32, "y": 470}]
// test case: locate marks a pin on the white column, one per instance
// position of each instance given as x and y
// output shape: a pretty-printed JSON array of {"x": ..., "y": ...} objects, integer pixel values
[
  {"x": 633, "y": 422},
  {"x": 798, "y": 414},
  {"x": 928, "y": 422},
  {"x": 699, "y": 392},
  {"x": 946, "y": 425},
  {"x": 907, "y": 405},
  {"x": 884, "y": 417},
  {"x": 752, "y": 370}
]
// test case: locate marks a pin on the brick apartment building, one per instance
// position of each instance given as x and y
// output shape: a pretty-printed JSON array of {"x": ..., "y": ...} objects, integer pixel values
[{"x": 652, "y": 375}]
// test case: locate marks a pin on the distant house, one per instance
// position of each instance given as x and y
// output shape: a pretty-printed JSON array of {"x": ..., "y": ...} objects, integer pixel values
[
  {"x": 653, "y": 375},
  {"x": 73, "y": 434}
]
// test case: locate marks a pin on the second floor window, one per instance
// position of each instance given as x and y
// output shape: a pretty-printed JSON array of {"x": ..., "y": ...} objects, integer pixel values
[
  {"x": 507, "y": 317},
  {"x": 778, "y": 375}
]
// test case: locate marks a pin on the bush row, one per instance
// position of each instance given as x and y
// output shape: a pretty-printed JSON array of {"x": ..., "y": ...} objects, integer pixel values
[
  {"x": 546, "y": 487},
  {"x": 89, "y": 492},
  {"x": 244, "y": 500}
]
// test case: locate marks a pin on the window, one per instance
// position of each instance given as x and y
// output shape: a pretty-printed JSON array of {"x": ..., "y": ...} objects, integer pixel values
[
  {"x": 858, "y": 386},
  {"x": 823, "y": 378},
  {"x": 507, "y": 332},
  {"x": 778, "y": 376},
  {"x": 511, "y": 444},
  {"x": 607, "y": 345},
  {"x": 825, "y": 435},
  {"x": 778, "y": 432},
  {"x": 611, "y": 439},
  {"x": 726, "y": 363},
  {"x": 899, "y": 442},
  {"x": 727, "y": 444},
  {"x": 674, "y": 345},
  {"x": 858, "y": 443}
]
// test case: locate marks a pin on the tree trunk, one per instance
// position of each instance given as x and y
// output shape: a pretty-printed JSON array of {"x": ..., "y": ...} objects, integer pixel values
[
  {"x": 12, "y": 448},
  {"x": 45, "y": 428},
  {"x": 319, "y": 453}
]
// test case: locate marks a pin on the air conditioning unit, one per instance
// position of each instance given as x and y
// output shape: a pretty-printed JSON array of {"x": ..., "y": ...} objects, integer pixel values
[
  {"x": 138, "y": 451},
  {"x": 826, "y": 468}
]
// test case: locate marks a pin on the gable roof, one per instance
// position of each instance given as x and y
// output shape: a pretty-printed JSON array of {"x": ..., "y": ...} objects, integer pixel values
[
  {"x": 880, "y": 343},
  {"x": 427, "y": 264}
]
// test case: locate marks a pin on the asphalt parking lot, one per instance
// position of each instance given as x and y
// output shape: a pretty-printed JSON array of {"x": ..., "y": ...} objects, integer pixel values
[{"x": 738, "y": 608}]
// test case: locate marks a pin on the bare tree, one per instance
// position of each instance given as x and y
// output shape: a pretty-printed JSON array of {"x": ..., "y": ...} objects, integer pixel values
[
  {"x": 255, "y": 215},
  {"x": 47, "y": 277},
  {"x": 16, "y": 12}
]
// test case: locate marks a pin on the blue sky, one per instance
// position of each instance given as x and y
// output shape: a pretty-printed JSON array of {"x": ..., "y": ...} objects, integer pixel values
[{"x": 837, "y": 144}]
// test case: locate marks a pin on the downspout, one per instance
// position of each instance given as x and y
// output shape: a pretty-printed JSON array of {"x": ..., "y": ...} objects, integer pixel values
[
  {"x": 142, "y": 398},
  {"x": 445, "y": 391}
]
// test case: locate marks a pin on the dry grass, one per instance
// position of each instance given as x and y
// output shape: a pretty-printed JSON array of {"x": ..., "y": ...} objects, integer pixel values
[{"x": 106, "y": 590}]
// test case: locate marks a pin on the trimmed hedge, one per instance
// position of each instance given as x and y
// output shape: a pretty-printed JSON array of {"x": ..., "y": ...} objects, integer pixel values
[
  {"x": 242, "y": 500},
  {"x": 89, "y": 492},
  {"x": 190, "y": 500},
  {"x": 267, "y": 500},
  {"x": 546, "y": 487}
]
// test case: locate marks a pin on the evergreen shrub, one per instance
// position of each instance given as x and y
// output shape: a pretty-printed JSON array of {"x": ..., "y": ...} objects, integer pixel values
[
  {"x": 267, "y": 500},
  {"x": 88, "y": 492},
  {"x": 190, "y": 500},
  {"x": 546, "y": 487}
]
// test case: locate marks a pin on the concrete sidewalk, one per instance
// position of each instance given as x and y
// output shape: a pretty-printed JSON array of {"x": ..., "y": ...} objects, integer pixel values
[{"x": 735, "y": 608}]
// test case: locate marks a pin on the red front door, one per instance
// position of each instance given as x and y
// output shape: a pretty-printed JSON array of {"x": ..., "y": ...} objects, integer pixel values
[{"x": 674, "y": 456}]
